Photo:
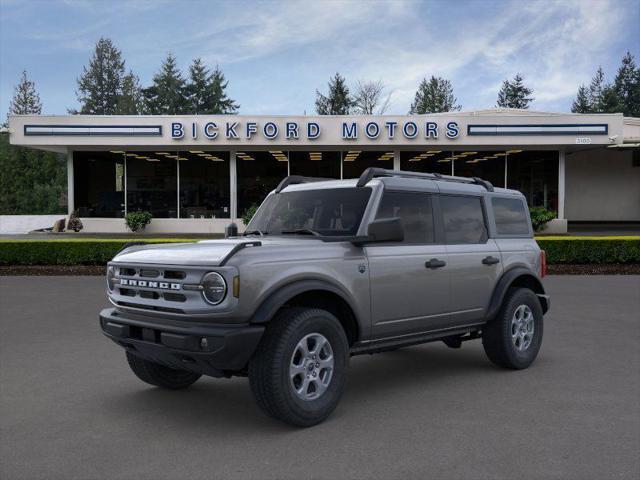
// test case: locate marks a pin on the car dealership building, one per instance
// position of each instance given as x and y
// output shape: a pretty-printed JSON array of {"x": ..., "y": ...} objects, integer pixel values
[{"x": 197, "y": 173}]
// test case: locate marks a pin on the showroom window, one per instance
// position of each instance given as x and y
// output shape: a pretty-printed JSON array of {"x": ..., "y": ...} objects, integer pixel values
[
  {"x": 315, "y": 164},
  {"x": 258, "y": 174},
  {"x": 99, "y": 184},
  {"x": 152, "y": 183},
  {"x": 204, "y": 184},
  {"x": 354, "y": 162}
]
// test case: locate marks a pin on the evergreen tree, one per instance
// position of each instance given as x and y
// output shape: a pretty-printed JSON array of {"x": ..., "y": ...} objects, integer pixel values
[
  {"x": 338, "y": 101},
  {"x": 514, "y": 94},
  {"x": 130, "y": 101},
  {"x": 100, "y": 85},
  {"x": 434, "y": 95},
  {"x": 25, "y": 99},
  {"x": 167, "y": 95},
  {"x": 206, "y": 91},
  {"x": 218, "y": 100},
  {"x": 196, "y": 89},
  {"x": 581, "y": 104},
  {"x": 596, "y": 91},
  {"x": 627, "y": 86},
  {"x": 31, "y": 181}
]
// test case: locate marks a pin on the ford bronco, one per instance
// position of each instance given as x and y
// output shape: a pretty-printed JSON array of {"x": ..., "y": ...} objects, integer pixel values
[{"x": 328, "y": 269}]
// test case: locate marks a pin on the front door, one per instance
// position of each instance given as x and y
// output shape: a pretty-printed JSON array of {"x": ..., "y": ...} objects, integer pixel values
[{"x": 409, "y": 279}]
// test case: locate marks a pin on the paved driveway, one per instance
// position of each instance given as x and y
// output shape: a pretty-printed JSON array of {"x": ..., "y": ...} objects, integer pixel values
[{"x": 70, "y": 408}]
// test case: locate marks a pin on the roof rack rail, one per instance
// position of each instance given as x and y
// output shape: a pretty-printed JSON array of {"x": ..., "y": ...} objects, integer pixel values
[
  {"x": 373, "y": 172},
  {"x": 297, "y": 179}
]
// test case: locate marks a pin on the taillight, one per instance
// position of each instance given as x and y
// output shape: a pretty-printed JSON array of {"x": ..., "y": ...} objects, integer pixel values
[{"x": 543, "y": 263}]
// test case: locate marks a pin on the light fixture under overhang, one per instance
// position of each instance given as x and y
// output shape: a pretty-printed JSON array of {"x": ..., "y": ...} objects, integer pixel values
[
  {"x": 116, "y": 151},
  {"x": 444, "y": 160},
  {"x": 196, "y": 151},
  {"x": 514, "y": 151},
  {"x": 434, "y": 151}
]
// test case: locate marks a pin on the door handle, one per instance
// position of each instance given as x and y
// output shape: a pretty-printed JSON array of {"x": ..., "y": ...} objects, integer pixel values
[
  {"x": 490, "y": 260},
  {"x": 435, "y": 263}
]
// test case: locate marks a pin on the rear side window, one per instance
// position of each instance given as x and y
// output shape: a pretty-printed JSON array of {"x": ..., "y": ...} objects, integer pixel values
[
  {"x": 511, "y": 216},
  {"x": 415, "y": 211},
  {"x": 463, "y": 219}
]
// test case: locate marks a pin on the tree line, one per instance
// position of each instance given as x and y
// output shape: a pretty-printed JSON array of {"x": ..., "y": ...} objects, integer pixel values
[{"x": 106, "y": 88}]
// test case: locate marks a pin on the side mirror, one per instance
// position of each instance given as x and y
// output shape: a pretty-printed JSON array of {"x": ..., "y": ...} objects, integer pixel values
[{"x": 385, "y": 230}]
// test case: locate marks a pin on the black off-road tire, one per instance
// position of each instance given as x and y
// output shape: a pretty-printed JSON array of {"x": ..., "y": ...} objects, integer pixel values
[
  {"x": 159, "y": 375},
  {"x": 497, "y": 334},
  {"x": 269, "y": 374}
]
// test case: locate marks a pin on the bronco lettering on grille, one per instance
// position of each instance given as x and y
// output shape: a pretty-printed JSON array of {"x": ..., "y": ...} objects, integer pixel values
[{"x": 129, "y": 282}]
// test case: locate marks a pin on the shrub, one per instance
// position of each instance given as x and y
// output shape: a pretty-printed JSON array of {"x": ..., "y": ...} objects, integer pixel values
[
  {"x": 137, "y": 220},
  {"x": 590, "y": 250},
  {"x": 249, "y": 213},
  {"x": 74, "y": 223},
  {"x": 75, "y": 251},
  {"x": 540, "y": 216}
]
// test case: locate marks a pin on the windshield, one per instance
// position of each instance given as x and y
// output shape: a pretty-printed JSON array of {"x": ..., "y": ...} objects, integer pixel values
[{"x": 326, "y": 212}]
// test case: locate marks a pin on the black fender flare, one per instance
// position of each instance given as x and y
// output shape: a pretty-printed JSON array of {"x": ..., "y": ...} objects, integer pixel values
[
  {"x": 281, "y": 295},
  {"x": 507, "y": 279}
]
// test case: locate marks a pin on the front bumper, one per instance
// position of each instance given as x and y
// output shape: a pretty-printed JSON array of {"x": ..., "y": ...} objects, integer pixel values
[{"x": 214, "y": 350}]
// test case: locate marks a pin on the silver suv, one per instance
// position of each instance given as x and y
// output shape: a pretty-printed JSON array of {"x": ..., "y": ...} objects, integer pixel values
[{"x": 328, "y": 269}]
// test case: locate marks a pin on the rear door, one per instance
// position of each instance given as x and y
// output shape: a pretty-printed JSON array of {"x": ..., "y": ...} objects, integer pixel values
[
  {"x": 409, "y": 279},
  {"x": 474, "y": 259}
]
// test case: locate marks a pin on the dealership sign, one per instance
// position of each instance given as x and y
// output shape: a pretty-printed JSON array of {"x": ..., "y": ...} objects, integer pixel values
[{"x": 292, "y": 130}]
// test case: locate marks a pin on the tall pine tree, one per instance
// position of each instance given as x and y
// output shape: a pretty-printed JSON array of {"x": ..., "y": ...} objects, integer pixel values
[
  {"x": 219, "y": 102},
  {"x": 31, "y": 181},
  {"x": 206, "y": 92},
  {"x": 433, "y": 96},
  {"x": 130, "y": 101},
  {"x": 514, "y": 94},
  {"x": 25, "y": 99},
  {"x": 582, "y": 102},
  {"x": 338, "y": 100},
  {"x": 627, "y": 86},
  {"x": 100, "y": 85},
  {"x": 167, "y": 95}
]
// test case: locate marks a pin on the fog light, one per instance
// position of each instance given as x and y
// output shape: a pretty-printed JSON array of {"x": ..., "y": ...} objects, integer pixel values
[{"x": 204, "y": 344}]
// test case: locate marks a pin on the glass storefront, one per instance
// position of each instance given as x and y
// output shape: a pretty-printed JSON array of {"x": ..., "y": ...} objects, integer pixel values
[
  {"x": 258, "y": 174},
  {"x": 204, "y": 184},
  {"x": 427, "y": 161},
  {"x": 152, "y": 184},
  {"x": 488, "y": 165},
  {"x": 535, "y": 174},
  {"x": 196, "y": 184},
  {"x": 357, "y": 161},
  {"x": 315, "y": 164},
  {"x": 99, "y": 184}
]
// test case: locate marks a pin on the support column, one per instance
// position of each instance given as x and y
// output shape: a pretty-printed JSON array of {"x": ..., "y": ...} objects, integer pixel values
[
  {"x": 561, "y": 182},
  {"x": 396, "y": 159},
  {"x": 233, "y": 186},
  {"x": 70, "y": 183}
]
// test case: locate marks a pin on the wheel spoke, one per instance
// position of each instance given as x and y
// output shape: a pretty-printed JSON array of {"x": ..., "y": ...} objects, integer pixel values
[{"x": 297, "y": 370}]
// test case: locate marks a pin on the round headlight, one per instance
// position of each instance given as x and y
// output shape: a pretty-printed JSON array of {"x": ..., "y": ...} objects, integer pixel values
[
  {"x": 214, "y": 288},
  {"x": 111, "y": 275}
]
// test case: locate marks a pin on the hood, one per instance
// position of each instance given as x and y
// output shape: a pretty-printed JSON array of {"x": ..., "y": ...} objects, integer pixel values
[{"x": 206, "y": 252}]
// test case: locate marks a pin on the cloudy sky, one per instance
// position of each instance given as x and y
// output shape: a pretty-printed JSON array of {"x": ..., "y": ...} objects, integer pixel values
[{"x": 275, "y": 54}]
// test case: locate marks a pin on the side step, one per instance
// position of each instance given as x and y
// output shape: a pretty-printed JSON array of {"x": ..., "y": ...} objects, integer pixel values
[{"x": 381, "y": 345}]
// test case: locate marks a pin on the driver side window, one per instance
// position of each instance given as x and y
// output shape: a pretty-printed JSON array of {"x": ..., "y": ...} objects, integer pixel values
[{"x": 414, "y": 210}]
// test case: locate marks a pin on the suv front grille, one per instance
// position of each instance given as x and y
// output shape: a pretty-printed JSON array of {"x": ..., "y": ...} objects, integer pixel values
[{"x": 156, "y": 288}]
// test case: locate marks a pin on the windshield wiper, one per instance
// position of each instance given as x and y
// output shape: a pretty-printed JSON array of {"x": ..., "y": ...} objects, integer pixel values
[
  {"x": 300, "y": 231},
  {"x": 254, "y": 232}
]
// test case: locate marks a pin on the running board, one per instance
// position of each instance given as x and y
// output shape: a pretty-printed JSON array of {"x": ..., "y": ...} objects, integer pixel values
[{"x": 380, "y": 345}]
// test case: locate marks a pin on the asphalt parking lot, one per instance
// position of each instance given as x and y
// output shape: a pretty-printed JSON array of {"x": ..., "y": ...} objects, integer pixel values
[{"x": 71, "y": 409}]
